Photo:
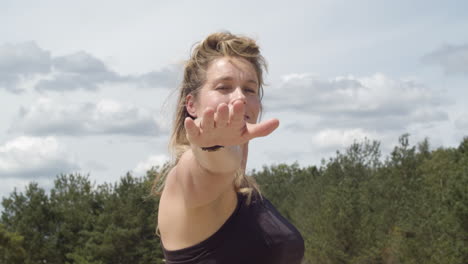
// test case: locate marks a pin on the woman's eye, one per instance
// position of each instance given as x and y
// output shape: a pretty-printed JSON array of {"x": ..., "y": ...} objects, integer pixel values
[
  {"x": 249, "y": 90},
  {"x": 222, "y": 88}
]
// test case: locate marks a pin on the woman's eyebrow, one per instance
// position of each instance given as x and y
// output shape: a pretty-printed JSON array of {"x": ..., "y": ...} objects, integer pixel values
[{"x": 229, "y": 78}]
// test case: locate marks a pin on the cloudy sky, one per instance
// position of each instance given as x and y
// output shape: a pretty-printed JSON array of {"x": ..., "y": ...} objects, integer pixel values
[{"x": 87, "y": 86}]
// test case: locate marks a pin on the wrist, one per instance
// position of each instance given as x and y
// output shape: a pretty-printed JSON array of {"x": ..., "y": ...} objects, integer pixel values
[{"x": 224, "y": 160}]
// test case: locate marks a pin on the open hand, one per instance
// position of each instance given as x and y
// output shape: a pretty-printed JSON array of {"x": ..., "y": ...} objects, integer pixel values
[{"x": 226, "y": 126}]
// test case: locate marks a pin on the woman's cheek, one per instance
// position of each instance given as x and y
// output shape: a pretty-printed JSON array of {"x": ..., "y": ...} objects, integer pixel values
[{"x": 255, "y": 106}]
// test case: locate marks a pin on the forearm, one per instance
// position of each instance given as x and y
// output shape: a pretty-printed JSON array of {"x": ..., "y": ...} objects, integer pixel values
[
  {"x": 203, "y": 175},
  {"x": 222, "y": 161}
]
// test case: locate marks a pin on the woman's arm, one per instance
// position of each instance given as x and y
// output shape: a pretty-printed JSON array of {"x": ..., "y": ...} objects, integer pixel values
[{"x": 204, "y": 175}]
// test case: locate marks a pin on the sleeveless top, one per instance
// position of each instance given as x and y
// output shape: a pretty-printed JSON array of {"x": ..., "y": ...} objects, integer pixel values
[{"x": 255, "y": 233}]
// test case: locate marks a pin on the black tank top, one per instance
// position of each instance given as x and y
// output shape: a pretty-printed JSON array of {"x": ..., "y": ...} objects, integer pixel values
[{"x": 254, "y": 233}]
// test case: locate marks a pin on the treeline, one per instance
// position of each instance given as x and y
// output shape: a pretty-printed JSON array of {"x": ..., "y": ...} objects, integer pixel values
[
  {"x": 411, "y": 207},
  {"x": 81, "y": 223},
  {"x": 356, "y": 207}
]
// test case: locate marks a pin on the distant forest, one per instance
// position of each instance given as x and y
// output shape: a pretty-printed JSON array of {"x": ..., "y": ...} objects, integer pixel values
[{"x": 356, "y": 207}]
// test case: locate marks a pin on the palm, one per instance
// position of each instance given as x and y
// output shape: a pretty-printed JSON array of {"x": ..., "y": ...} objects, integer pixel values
[{"x": 226, "y": 127}]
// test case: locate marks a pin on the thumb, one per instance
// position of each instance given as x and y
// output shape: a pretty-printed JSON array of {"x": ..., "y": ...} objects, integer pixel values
[{"x": 262, "y": 129}]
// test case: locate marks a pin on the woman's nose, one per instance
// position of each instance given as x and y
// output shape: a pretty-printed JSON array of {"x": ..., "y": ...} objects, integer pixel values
[{"x": 238, "y": 94}]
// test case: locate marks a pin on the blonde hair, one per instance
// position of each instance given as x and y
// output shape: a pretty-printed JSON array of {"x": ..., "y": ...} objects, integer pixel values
[{"x": 216, "y": 45}]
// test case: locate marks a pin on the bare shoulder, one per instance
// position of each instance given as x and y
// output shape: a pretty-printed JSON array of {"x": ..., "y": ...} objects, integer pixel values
[
  {"x": 170, "y": 210},
  {"x": 176, "y": 221},
  {"x": 171, "y": 200}
]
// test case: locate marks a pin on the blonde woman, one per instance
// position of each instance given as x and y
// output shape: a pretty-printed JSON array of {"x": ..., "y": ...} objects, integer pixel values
[{"x": 209, "y": 211}]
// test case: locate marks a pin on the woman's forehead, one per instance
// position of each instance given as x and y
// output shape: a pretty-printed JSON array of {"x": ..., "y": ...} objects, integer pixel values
[{"x": 231, "y": 69}]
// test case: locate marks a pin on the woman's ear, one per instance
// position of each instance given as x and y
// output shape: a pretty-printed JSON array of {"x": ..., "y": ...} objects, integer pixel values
[{"x": 190, "y": 105}]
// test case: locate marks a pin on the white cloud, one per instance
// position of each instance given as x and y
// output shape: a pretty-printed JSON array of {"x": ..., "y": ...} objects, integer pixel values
[
  {"x": 47, "y": 117},
  {"x": 376, "y": 102},
  {"x": 76, "y": 71},
  {"x": 452, "y": 58},
  {"x": 335, "y": 138},
  {"x": 152, "y": 161},
  {"x": 33, "y": 157},
  {"x": 167, "y": 77},
  {"x": 79, "y": 70},
  {"x": 20, "y": 62},
  {"x": 82, "y": 70},
  {"x": 320, "y": 116}
]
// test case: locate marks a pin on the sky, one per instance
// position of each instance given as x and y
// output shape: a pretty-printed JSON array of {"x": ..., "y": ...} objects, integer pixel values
[{"x": 89, "y": 86}]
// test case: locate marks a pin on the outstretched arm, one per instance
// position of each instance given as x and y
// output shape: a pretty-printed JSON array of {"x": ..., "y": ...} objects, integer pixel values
[{"x": 204, "y": 175}]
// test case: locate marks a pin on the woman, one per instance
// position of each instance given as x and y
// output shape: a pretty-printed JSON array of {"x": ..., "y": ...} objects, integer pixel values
[{"x": 209, "y": 211}]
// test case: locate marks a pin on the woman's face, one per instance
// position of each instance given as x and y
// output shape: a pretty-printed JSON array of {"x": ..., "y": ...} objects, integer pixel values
[{"x": 228, "y": 79}]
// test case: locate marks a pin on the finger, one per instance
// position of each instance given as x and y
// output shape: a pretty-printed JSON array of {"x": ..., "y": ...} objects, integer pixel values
[
  {"x": 191, "y": 128},
  {"x": 237, "y": 113},
  {"x": 207, "y": 122},
  {"x": 262, "y": 129},
  {"x": 222, "y": 115}
]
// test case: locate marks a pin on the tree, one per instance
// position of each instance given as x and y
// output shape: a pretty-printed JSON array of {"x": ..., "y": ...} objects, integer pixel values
[
  {"x": 75, "y": 205},
  {"x": 30, "y": 216},
  {"x": 11, "y": 247}
]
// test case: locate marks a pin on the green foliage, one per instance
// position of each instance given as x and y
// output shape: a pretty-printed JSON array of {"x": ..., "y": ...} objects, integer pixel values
[
  {"x": 357, "y": 207},
  {"x": 411, "y": 207},
  {"x": 11, "y": 249},
  {"x": 31, "y": 216},
  {"x": 80, "y": 223}
]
